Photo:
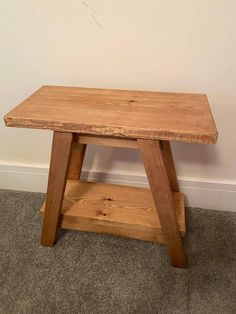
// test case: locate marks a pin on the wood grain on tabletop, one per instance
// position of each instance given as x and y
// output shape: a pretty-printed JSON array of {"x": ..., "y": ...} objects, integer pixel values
[{"x": 119, "y": 113}]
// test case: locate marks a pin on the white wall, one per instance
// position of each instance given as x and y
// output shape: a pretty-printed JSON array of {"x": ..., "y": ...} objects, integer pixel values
[{"x": 185, "y": 46}]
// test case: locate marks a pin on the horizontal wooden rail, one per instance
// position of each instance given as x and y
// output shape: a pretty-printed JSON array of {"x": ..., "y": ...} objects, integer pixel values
[{"x": 108, "y": 141}]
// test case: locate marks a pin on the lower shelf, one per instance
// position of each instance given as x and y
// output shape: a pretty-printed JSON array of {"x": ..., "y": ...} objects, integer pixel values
[{"x": 115, "y": 209}]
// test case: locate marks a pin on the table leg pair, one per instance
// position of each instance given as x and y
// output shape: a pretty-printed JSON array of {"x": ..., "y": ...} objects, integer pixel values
[{"x": 66, "y": 162}]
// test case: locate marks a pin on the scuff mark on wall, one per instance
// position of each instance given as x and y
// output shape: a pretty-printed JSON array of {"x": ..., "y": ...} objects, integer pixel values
[
  {"x": 92, "y": 13},
  {"x": 95, "y": 20},
  {"x": 84, "y": 3}
]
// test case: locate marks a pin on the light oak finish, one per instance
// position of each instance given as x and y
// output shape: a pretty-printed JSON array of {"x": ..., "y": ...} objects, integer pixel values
[
  {"x": 108, "y": 141},
  {"x": 169, "y": 162},
  {"x": 77, "y": 158},
  {"x": 114, "y": 209},
  {"x": 117, "y": 113},
  {"x": 159, "y": 184},
  {"x": 60, "y": 157},
  {"x": 133, "y": 119}
]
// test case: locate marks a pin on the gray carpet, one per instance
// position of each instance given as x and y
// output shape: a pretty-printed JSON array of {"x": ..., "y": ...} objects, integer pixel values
[{"x": 91, "y": 273}]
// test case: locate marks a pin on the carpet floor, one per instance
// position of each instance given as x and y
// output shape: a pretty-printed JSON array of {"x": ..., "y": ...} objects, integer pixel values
[{"x": 95, "y": 273}]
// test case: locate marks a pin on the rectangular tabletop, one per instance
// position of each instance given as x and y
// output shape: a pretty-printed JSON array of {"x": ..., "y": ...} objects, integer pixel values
[{"x": 119, "y": 113}]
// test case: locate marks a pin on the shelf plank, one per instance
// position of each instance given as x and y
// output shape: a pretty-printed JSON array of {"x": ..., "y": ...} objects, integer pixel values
[{"x": 115, "y": 209}]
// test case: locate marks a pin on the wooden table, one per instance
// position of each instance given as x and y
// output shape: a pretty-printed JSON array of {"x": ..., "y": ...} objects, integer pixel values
[{"x": 135, "y": 119}]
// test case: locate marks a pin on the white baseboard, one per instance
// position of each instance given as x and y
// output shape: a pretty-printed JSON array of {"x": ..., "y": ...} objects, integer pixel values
[{"x": 218, "y": 195}]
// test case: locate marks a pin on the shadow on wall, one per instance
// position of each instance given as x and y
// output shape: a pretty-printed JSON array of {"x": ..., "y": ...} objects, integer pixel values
[
  {"x": 100, "y": 158},
  {"x": 118, "y": 160},
  {"x": 205, "y": 154}
]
